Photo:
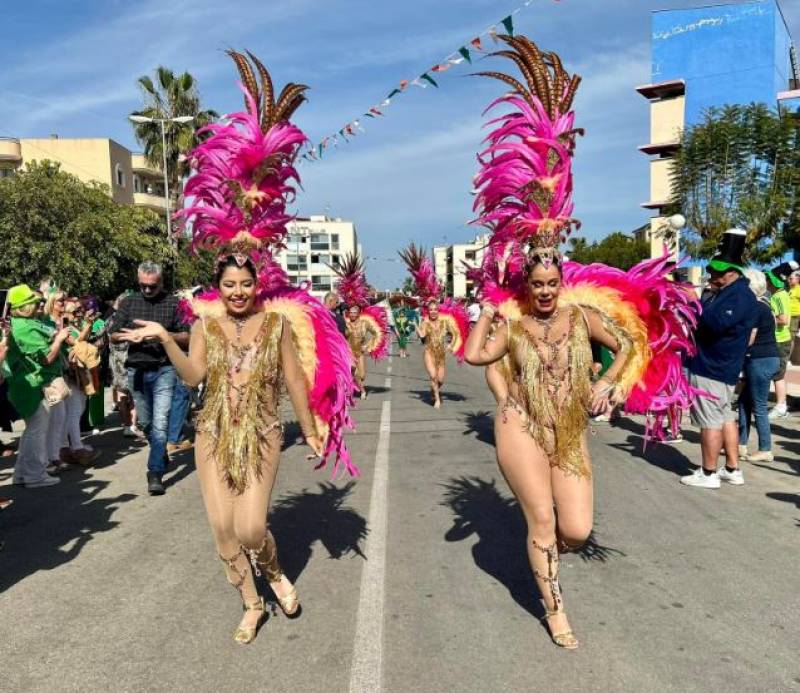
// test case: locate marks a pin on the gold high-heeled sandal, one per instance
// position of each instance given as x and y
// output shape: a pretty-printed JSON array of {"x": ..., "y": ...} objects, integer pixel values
[
  {"x": 244, "y": 636},
  {"x": 265, "y": 559},
  {"x": 567, "y": 639}
]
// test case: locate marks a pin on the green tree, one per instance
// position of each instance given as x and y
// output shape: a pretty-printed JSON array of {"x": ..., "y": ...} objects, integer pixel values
[
  {"x": 615, "y": 250},
  {"x": 170, "y": 96},
  {"x": 54, "y": 225},
  {"x": 739, "y": 167}
]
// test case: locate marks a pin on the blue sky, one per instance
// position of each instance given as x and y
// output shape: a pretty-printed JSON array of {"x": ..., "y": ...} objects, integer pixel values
[{"x": 71, "y": 69}]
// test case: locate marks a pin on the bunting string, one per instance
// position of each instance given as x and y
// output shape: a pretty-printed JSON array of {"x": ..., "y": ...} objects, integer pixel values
[{"x": 429, "y": 78}]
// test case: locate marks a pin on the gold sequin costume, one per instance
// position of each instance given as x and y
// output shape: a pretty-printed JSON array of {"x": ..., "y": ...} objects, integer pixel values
[
  {"x": 551, "y": 382},
  {"x": 436, "y": 340},
  {"x": 360, "y": 336},
  {"x": 243, "y": 386}
]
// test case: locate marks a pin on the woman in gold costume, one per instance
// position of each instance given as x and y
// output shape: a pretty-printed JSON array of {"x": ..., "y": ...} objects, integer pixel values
[
  {"x": 540, "y": 425},
  {"x": 245, "y": 355},
  {"x": 363, "y": 339},
  {"x": 439, "y": 337}
]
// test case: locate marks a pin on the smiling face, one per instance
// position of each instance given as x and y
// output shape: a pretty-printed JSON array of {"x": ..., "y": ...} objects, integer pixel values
[
  {"x": 353, "y": 312},
  {"x": 544, "y": 283},
  {"x": 237, "y": 289},
  {"x": 433, "y": 310}
]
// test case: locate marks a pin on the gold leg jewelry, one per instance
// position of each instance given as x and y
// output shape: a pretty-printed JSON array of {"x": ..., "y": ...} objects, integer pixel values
[
  {"x": 566, "y": 639},
  {"x": 265, "y": 559},
  {"x": 236, "y": 577}
]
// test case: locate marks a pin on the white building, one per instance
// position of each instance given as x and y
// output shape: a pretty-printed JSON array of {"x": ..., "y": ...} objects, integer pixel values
[
  {"x": 450, "y": 261},
  {"x": 313, "y": 246}
]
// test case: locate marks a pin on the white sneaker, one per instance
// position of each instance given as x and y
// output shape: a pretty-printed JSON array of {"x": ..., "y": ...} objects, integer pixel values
[
  {"x": 672, "y": 440},
  {"x": 743, "y": 452},
  {"x": 601, "y": 418},
  {"x": 46, "y": 480},
  {"x": 701, "y": 480},
  {"x": 765, "y": 456},
  {"x": 735, "y": 477},
  {"x": 778, "y": 413}
]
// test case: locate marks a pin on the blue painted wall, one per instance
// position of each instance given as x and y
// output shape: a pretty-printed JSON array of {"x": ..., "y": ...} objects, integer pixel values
[{"x": 726, "y": 54}]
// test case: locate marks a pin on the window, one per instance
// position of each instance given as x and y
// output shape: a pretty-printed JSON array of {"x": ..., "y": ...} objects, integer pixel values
[
  {"x": 335, "y": 261},
  {"x": 297, "y": 263},
  {"x": 296, "y": 239},
  {"x": 137, "y": 183},
  {"x": 334, "y": 241},
  {"x": 6, "y": 172},
  {"x": 320, "y": 283},
  {"x": 320, "y": 241},
  {"x": 119, "y": 175},
  {"x": 469, "y": 255},
  {"x": 320, "y": 259}
]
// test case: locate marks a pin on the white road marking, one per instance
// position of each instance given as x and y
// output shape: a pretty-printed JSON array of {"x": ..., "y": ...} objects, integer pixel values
[
  {"x": 387, "y": 383},
  {"x": 366, "y": 671}
]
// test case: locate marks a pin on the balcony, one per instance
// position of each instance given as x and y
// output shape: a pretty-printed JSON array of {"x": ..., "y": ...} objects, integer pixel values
[
  {"x": 139, "y": 165},
  {"x": 10, "y": 150},
  {"x": 663, "y": 90},
  {"x": 155, "y": 202},
  {"x": 660, "y": 148}
]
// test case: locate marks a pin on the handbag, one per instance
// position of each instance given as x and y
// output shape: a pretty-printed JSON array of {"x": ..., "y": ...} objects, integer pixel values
[{"x": 57, "y": 391}]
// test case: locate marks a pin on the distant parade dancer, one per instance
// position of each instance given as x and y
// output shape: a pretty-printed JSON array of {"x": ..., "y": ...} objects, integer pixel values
[
  {"x": 541, "y": 313},
  {"x": 444, "y": 326}
]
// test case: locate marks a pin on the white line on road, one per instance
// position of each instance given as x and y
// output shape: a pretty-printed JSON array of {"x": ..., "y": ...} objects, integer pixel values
[
  {"x": 367, "y": 666},
  {"x": 387, "y": 383}
]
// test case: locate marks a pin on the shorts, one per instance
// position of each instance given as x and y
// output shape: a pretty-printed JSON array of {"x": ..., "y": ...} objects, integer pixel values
[
  {"x": 784, "y": 351},
  {"x": 715, "y": 411}
]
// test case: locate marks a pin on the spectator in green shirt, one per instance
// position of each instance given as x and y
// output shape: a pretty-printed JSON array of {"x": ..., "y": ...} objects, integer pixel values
[
  {"x": 32, "y": 364},
  {"x": 779, "y": 302}
]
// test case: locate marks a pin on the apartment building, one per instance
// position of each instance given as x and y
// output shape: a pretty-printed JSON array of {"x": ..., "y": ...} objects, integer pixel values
[{"x": 451, "y": 262}]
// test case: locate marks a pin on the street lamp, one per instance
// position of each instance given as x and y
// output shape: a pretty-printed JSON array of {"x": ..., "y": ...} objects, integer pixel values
[
  {"x": 670, "y": 230},
  {"x": 181, "y": 120}
]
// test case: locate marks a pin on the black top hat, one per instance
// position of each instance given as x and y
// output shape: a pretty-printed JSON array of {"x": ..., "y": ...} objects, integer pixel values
[
  {"x": 780, "y": 275},
  {"x": 729, "y": 252}
]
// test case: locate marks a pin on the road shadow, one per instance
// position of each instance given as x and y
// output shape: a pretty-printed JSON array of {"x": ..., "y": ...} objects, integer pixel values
[
  {"x": 299, "y": 520},
  {"x": 48, "y": 527},
  {"x": 445, "y": 395},
  {"x": 785, "y": 497},
  {"x": 481, "y": 425},
  {"x": 376, "y": 390},
  {"x": 667, "y": 457}
]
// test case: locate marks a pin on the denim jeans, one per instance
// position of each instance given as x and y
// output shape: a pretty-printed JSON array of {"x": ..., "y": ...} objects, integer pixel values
[
  {"x": 758, "y": 375},
  {"x": 152, "y": 394},
  {"x": 181, "y": 399}
]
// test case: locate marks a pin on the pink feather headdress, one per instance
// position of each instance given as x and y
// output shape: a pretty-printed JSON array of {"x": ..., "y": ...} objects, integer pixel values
[
  {"x": 244, "y": 173},
  {"x": 420, "y": 266},
  {"x": 352, "y": 284},
  {"x": 525, "y": 181}
]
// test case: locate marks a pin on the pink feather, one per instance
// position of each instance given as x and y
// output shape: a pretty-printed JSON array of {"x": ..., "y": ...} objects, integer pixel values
[{"x": 378, "y": 314}]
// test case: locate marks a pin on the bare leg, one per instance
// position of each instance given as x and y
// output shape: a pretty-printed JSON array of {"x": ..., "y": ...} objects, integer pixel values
[
  {"x": 730, "y": 439},
  {"x": 780, "y": 393},
  {"x": 430, "y": 366},
  {"x": 528, "y": 473},
  {"x": 710, "y": 445},
  {"x": 220, "y": 500},
  {"x": 361, "y": 375},
  {"x": 574, "y": 499}
]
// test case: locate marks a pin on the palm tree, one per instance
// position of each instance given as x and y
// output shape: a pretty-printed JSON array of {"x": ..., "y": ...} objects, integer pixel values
[{"x": 170, "y": 96}]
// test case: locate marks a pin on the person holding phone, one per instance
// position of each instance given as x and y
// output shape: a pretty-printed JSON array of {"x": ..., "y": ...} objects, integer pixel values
[{"x": 35, "y": 385}]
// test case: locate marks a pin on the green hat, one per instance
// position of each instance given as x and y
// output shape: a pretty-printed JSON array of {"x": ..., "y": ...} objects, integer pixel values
[
  {"x": 723, "y": 266},
  {"x": 21, "y": 295},
  {"x": 776, "y": 281}
]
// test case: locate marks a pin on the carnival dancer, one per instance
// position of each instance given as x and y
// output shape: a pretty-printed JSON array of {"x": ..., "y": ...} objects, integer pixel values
[
  {"x": 252, "y": 335},
  {"x": 444, "y": 326},
  {"x": 551, "y": 311},
  {"x": 367, "y": 327}
]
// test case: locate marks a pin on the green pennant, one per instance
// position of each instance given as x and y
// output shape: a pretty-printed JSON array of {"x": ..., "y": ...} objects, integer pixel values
[
  {"x": 465, "y": 52},
  {"x": 369, "y": 115},
  {"x": 428, "y": 78},
  {"x": 508, "y": 23},
  {"x": 320, "y": 150},
  {"x": 394, "y": 91}
]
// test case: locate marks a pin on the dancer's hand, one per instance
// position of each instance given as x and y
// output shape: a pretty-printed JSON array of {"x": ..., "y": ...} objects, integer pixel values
[
  {"x": 146, "y": 330},
  {"x": 315, "y": 443},
  {"x": 600, "y": 396}
]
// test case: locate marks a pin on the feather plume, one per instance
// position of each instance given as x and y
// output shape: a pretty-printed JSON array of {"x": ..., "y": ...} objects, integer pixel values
[
  {"x": 352, "y": 284},
  {"x": 420, "y": 266}
]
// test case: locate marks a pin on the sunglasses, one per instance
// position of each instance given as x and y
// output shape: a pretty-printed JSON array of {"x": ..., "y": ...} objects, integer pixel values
[{"x": 148, "y": 287}]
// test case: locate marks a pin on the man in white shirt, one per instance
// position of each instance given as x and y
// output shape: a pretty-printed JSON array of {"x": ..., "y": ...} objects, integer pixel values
[{"x": 474, "y": 312}]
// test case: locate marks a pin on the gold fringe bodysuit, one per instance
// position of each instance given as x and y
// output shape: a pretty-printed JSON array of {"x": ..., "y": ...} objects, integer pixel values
[
  {"x": 360, "y": 337},
  {"x": 243, "y": 386},
  {"x": 436, "y": 340}
]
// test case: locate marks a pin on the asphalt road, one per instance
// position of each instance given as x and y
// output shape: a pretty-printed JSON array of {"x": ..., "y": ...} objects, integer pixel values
[{"x": 413, "y": 578}]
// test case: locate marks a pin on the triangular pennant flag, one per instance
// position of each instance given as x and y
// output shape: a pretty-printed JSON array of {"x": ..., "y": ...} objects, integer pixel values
[
  {"x": 493, "y": 33},
  {"x": 369, "y": 115},
  {"x": 393, "y": 92},
  {"x": 321, "y": 147},
  {"x": 375, "y": 111},
  {"x": 455, "y": 61},
  {"x": 476, "y": 43},
  {"x": 428, "y": 78},
  {"x": 465, "y": 52},
  {"x": 403, "y": 84},
  {"x": 386, "y": 102},
  {"x": 508, "y": 23},
  {"x": 440, "y": 68},
  {"x": 417, "y": 83}
]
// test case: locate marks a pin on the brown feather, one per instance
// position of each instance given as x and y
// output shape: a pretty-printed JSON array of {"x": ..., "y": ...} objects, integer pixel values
[
  {"x": 517, "y": 86},
  {"x": 288, "y": 95},
  {"x": 267, "y": 94},
  {"x": 247, "y": 76}
]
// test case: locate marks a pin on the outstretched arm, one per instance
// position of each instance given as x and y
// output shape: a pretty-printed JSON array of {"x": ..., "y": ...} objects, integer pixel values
[
  {"x": 480, "y": 351},
  {"x": 296, "y": 386}
]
